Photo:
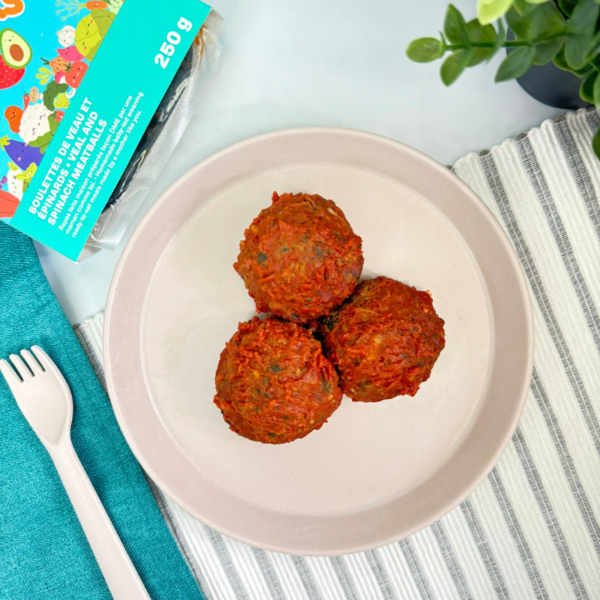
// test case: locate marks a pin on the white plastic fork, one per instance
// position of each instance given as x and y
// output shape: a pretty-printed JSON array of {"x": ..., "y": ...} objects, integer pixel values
[{"x": 46, "y": 402}]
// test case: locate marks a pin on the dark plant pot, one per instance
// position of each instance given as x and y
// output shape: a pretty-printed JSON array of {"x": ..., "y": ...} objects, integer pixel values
[{"x": 552, "y": 86}]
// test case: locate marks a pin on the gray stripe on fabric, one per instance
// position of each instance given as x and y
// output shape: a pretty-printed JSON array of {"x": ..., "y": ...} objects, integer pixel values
[
  {"x": 383, "y": 581},
  {"x": 224, "y": 557},
  {"x": 179, "y": 539},
  {"x": 518, "y": 536},
  {"x": 306, "y": 577},
  {"x": 593, "y": 119},
  {"x": 566, "y": 460},
  {"x": 561, "y": 238},
  {"x": 344, "y": 577},
  {"x": 539, "y": 292},
  {"x": 535, "y": 482},
  {"x": 416, "y": 571},
  {"x": 159, "y": 497},
  {"x": 451, "y": 561},
  {"x": 489, "y": 560},
  {"x": 269, "y": 575},
  {"x": 579, "y": 172}
]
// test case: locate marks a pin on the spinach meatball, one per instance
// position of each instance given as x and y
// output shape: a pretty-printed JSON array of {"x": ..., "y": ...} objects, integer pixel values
[
  {"x": 384, "y": 340},
  {"x": 300, "y": 258},
  {"x": 273, "y": 383}
]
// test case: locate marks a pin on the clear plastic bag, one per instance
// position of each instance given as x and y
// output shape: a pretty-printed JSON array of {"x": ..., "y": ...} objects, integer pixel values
[{"x": 160, "y": 138}]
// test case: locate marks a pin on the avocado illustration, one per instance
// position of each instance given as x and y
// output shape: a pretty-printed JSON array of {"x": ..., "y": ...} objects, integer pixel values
[{"x": 16, "y": 52}]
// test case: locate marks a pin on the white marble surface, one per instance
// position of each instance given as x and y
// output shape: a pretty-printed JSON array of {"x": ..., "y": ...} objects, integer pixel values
[{"x": 337, "y": 63}]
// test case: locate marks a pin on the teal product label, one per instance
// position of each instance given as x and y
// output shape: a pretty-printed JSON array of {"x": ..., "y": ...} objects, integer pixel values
[{"x": 79, "y": 84}]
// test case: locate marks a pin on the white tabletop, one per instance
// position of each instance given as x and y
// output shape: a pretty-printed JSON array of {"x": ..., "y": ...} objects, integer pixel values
[{"x": 312, "y": 63}]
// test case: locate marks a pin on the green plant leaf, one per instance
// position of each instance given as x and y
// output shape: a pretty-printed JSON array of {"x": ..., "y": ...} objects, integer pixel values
[
  {"x": 489, "y": 11},
  {"x": 523, "y": 7},
  {"x": 581, "y": 33},
  {"x": 425, "y": 50},
  {"x": 521, "y": 26},
  {"x": 594, "y": 47},
  {"x": 454, "y": 65},
  {"x": 586, "y": 91},
  {"x": 544, "y": 53},
  {"x": 596, "y": 143},
  {"x": 567, "y": 7},
  {"x": 480, "y": 33},
  {"x": 546, "y": 21},
  {"x": 455, "y": 27},
  {"x": 561, "y": 62},
  {"x": 596, "y": 90},
  {"x": 500, "y": 38},
  {"x": 536, "y": 1},
  {"x": 515, "y": 64}
]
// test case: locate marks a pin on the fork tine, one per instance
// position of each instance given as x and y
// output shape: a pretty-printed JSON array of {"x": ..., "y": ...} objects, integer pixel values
[
  {"x": 19, "y": 365},
  {"x": 33, "y": 364},
  {"x": 44, "y": 360},
  {"x": 9, "y": 375}
]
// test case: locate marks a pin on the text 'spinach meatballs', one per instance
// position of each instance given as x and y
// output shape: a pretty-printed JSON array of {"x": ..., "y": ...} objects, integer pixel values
[
  {"x": 300, "y": 258},
  {"x": 384, "y": 340},
  {"x": 273, "y": 383}
]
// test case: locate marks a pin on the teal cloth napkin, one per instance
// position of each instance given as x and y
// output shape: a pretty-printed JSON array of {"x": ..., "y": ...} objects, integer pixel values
[{"x": 43, "y": 551}]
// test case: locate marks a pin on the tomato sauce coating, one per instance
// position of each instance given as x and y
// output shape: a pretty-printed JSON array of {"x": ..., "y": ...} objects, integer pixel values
[
  {"x": 300, "y": 258},
  {"x": 273, "y": 383},
  {"x": 384, "y": 340}
]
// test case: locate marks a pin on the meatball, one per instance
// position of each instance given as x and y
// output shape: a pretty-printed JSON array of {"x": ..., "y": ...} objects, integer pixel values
[
  {"x": 300, "y": 258},
  {"x": 273, "y": 383},
  {"x": 384, "y": 340}
]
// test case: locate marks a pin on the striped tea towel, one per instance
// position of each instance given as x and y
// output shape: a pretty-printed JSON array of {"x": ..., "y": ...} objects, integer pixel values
[{"x": 530, "y": 530}]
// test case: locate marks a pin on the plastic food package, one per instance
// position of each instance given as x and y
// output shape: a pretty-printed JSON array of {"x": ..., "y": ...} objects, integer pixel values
[
  {"x": 160, "y": 138},
  {"x": 94, "y": 97}
]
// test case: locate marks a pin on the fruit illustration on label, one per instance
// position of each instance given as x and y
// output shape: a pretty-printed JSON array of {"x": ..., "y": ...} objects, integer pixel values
[
  {"x": 61, "y": 102},
  {"x": 66, "y": 36},
  {"x": 114, "y": 5},
  {"x": 8, "y": 205},
  {"x": 87, "y": 36},
  {"x": 21, "y": 154},
  {"x": 16, "y": 52},
  {"x": 58, "y": 115},
  {"x": 18, "y": 181},
  {"x": 91, "y": 31},
  {"x": 34, "y": 123},
  {"x": 13, "y": 115},
  {"x": 8, "y": 75},
  {"x": 75, "y": 73},
  {"x": 51, "y": 92},
  {"x": 58, "y": 64},
  {"x": 14, "y": 186},
  {"x": 70, "y": 54}
]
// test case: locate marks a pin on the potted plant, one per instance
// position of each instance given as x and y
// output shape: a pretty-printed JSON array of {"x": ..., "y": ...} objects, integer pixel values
[{"x": 563, "y": 32}]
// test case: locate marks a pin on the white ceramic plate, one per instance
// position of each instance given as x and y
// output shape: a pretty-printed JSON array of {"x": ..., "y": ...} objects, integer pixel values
[{"x": 375, "y": 472}]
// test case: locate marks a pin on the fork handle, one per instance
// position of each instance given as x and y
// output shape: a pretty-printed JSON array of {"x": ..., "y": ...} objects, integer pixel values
[{"x": 121, "y": 577}]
